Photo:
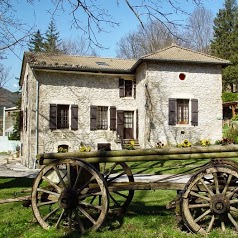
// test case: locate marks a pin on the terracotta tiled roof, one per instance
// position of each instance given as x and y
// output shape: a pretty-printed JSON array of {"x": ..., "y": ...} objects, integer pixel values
[
  {"x": 80, "y": 63},
  {"x": 175, "y": 53}
]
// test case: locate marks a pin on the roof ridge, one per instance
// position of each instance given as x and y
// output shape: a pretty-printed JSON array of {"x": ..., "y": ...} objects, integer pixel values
[
  {"x": 183, "y": 48},
  {"x": 75, "y": 56}
]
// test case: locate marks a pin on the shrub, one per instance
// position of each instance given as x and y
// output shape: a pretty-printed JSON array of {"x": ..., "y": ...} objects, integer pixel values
[
  {"x": 84, "y": 148},
  {"x": 205, "y": 143},
  {"x": 130, "y": 145}
]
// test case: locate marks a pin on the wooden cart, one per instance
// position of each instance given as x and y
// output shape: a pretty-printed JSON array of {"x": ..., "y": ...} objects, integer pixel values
[{"x": 78, "y": 190}]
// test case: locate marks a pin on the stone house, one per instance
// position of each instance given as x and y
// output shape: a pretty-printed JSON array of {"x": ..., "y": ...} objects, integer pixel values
[{"x": 168, "y": 96}]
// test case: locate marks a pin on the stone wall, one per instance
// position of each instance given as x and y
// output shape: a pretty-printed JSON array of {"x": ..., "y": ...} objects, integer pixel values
[{"x": 162, "y": 82}]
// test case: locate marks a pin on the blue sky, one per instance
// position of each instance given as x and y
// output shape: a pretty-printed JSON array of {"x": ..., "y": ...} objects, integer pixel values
[{"x": 38, "y": 15}]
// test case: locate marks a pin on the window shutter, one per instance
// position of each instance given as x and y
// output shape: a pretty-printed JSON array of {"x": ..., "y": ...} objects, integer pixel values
[
  {"x": 53, "y": 116},
  {"x": 134, "y": 87},
  {"x": 74, "y": 117},
  {"x": 112, "y": 118},
  {"x": 172, "y": 111},
  {"x": 93, "y": 118},
  {"x": 137, "y": 124},
  {"x": 194, "y": 120},
  {"x": 121, "y": 88},
  {"x": 120, "y": 123},
  {"x": 21, "y": 120}
]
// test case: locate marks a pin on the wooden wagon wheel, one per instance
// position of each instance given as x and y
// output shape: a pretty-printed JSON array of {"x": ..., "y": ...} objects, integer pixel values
[
  {"x": 120, "y": 195},
  {"x": 210, "y": 199},
  {"x": 70, "y": 194}
]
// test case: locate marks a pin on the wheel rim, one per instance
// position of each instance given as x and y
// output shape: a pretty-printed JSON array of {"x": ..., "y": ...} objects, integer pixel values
[
  {"x": 120, "y": 199},
  {"x": 210, "y": 200},
  {"x": 70, "y": 194}
]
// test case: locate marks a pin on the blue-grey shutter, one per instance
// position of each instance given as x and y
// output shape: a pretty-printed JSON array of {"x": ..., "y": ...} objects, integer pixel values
[
  {"x": 53, "y": 116},
  {"x": 172, "y": 111},
  {"x": 194, "y": 118},
  {"x": 120, "y": 123},
  {"x": 74, "y": 117},
  {"x": 112, "y": 118},
  {"x": 121, "y": 88},
  {"x": 93, "y": 118}
]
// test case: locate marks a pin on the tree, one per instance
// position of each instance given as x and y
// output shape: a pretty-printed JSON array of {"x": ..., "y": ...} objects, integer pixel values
[
  {"x": 52, "y": 40},
  {"x": 4, "y": 73},
  {"x": 36, "y": 43},
  {"x": 88, "y": 16},
  {"x": 78, "y": 46},
  {"x": 151, "y": 38},
  {"x": 12, "y": 30},
  {"x": 225, "y": 42},
  {"x": 199, "y": 32},
  {"x": 16, "y": 128}
]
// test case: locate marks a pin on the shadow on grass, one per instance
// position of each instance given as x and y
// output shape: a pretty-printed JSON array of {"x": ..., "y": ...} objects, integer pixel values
[{"x": 15, "y": 182}]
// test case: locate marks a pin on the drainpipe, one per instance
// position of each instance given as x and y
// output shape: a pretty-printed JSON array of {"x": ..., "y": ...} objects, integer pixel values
[{"x": 37, "y": 122}]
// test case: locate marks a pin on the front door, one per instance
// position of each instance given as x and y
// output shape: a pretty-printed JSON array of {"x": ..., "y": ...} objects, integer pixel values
[{"x": 128, "y": 125}]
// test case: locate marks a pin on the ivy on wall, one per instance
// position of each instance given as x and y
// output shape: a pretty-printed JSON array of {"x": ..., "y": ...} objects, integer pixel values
[{"x": 229, "y": 97}]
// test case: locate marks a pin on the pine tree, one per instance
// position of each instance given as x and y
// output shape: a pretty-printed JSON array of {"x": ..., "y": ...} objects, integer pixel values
[
  {"x": 36, "y": 42},
  {"x": 52, "y": 41},
  {"x": 225, "y": 42}
]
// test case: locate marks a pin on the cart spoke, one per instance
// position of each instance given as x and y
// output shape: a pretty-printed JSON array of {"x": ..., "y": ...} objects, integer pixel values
[
  {"x": 68, "y": 174},
  {"x": 51, "y": 213},
  {"x": 201, "y": 205},
  {"x": 117, "y": 176},
  {"x": 110, "y": 171},
  {"x": 85, "y": 185},
  {"x": 199, "y": 196},
  {"x": 216, "y": 182},
  {"x": 70, "y": 220},
  {"x": 59, "y": 176},
  {"x": 79, "y": 222},
  {"x": 229, "y": 195},
  {"x": 60, "y": 218},
  {"x": 202, "y": 215},
  {"x": 83, "y": 196},
  {"x": 115, "y": 201},
  {"x": 233, "y": 209},
  {"x": 52, "y": 184},
  {"x": 227, "y": 184},
  {"x": 232, "y": 221},
  {"x": 121, "y": 194},
  {"x": 211, "y": 223},
  {"x": 206, "y": 187},
  {"x": 86, "y": 214},
  {"x": 48, "y": 192},
  {"x": 97, "y": 207},
  {"x": 46, "y": 203},
  {"x": 233, "y": 201},
  {"x": 77, "y": 178},
  {"x": 223, "y": 227}
]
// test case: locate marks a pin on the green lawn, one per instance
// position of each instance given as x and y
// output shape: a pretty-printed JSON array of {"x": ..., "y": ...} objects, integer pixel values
[{"x": 147, "y": 215}]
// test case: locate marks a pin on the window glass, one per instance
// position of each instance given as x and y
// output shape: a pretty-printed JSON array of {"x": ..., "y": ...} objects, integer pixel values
[
  {"x": 128, "y": 88},
  {"x": 182, "y": 111},
  {"x": 102, "y": 118},
  {"x": 62, "y": 116}
]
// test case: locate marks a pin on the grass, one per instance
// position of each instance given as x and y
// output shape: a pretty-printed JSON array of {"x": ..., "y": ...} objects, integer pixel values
[{"x": 147, "y": 216}]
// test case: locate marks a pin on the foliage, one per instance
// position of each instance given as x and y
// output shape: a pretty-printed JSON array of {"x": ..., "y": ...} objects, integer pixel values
[
  {"x": 84, "y": 148},
  {"x": 50, "y": 43},
  {"x": 130, "y": 145},
  {"x": 205, "y": 142},
  {"x": 229, "y": 97},
  {"x": 62, "y": 150},
  {"x": 224, "y": 44},
  {"x": 17, "y": 126},
  {"x": 185, "y": 143},
  {"x": 36, "y": 43}
]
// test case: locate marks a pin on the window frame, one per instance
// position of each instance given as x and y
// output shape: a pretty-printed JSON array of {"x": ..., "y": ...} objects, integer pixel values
[
  {"x": 127, "y": 88},
  {"x": 192, "y": 112},
  {"x": 71, "y": 114}
]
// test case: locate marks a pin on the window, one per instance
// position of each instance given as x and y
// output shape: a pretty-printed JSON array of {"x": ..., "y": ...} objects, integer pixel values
[
  {"x": 102, "y": 120},
  {"x": 180, "y": 113},
  {"x": 99, "y": 118},
  {"x": 126, "y": 88},
  {"x": 63, "y": 116}
]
